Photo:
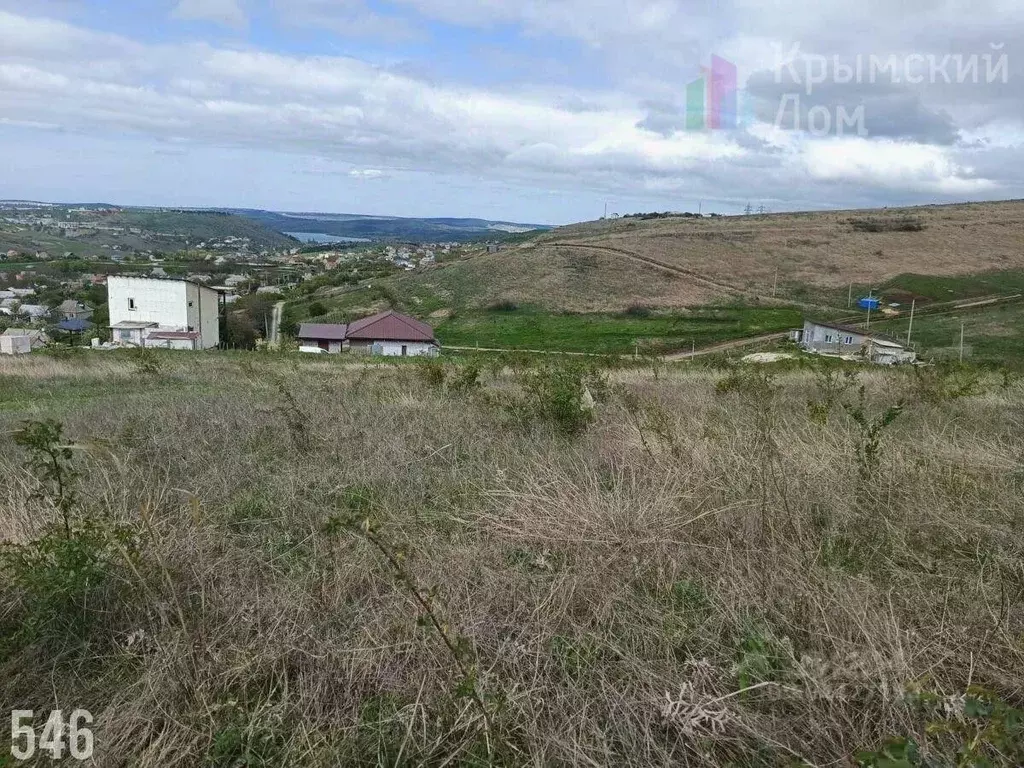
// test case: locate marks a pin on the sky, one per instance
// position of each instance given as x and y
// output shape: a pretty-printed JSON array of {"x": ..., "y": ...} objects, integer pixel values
[{"x": 538, "y": 111}]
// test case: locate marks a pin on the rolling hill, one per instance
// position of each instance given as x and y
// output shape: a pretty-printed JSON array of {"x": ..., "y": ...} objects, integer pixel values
[{"x": 923, "y": 253}]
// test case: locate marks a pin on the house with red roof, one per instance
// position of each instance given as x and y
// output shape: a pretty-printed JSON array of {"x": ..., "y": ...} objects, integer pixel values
[{"x": 387, "y": 334}]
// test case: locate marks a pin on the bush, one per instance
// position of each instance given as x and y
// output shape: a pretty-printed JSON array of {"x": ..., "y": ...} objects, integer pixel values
[
  {"x": 639, "y": 311},
  {"x": 887, "y": 225},
  {"x": 565, "y": 395},
  {"x": 503, "y": 306},
  {"x": 55, "y": 582}
]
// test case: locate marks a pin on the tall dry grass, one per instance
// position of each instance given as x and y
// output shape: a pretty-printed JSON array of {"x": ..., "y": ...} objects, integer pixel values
[{"x": 706, "y": 576}]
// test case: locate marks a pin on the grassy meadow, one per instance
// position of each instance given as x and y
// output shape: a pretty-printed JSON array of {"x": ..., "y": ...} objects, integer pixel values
[
  {"x": 267, "y": 560},
  {"x": 596, "y": 333}
]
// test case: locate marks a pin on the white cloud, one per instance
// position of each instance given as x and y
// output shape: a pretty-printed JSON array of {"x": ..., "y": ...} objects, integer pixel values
[
  {"x": 226, "y": 12},
  {"x": 891, "y": 164},
  {"x": 358, "y": 119}
]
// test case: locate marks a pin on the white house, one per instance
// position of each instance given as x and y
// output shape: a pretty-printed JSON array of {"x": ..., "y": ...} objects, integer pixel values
[
  {"x": 161, "y": 312},
  {"x": 388, "y": 334},
  {"x": 844, "y": 340}
]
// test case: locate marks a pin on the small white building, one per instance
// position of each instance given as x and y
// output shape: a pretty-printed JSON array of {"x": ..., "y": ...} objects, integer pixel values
[
  {"x": 21, "y": 341},
  {"x": 847, "y": 341},
  {"x": 161, "y": 312}
]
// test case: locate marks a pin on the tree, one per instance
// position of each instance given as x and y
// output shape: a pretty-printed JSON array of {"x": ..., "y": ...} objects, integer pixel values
[
  {"x": 316, "y": 309},
  {"x": 238, "y": 331}
]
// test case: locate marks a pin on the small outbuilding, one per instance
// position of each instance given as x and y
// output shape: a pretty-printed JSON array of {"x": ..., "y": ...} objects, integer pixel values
[{"x": 20, "y": 341}]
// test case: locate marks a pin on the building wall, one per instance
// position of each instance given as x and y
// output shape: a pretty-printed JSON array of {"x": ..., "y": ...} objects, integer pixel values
[
  {"x": 204, "y": 314},
  {"x": 156, "y": 301},
  {"x": 129, "y": 336},
  {"x": 15, "y": 345},
  {"x": 822, "y": 339},
  {"x": 411, "y": 349},
  {"x": 185, "y": 344}
]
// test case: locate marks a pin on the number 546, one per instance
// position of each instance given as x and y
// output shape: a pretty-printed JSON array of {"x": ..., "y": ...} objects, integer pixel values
[{"x": 79, "y": 741}]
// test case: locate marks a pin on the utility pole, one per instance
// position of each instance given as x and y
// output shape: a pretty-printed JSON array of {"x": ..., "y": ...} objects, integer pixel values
[
  {"x": 700, "y": 209},
  {"x": 869, "y": 309},
  {"x": 775, "y": 284},
  {"x": 849, "y": 302},
  {"x": 606, "y": 210},
  {"x": 962, "y": 326},
  {"x": 910, "y": 330}
]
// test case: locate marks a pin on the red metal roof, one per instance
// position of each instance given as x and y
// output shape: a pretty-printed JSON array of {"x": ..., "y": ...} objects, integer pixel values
[
  {"x": 190, "y": 335},
  {"x": 322, "y": 331},
  {"x": 390, "y": 326}
]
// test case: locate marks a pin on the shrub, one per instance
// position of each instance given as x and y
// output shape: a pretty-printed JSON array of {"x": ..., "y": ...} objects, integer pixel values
[
  {"x": 504, "y": 305},
  {"x": 565, "y": 395},
  {"x": 465, "y": 379},
  {"x": 146, "y": 362},
  {"x": 905, "y": 224},
  {"x": 638, "y": 311},
  {"x": 56, "y": 580},
  {"x": 432, "y": 372},
  {"x": 49, "y": 459}
]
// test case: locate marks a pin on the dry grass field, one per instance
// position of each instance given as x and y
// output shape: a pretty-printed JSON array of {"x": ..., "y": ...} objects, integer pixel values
[
  {"x": 556, "y": 279},
  {"x": 271, "y": 562},
  {"x": 823, "y": 249},
  {"x": 609, "y": 266}
]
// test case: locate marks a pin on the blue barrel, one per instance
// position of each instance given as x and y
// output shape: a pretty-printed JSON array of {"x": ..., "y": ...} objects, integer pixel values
[{"x": 870, "y": 303}]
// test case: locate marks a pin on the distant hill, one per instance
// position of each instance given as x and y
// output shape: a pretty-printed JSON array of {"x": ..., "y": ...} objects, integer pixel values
[
  {"x": 388, "y": 227},
  {"x": 198, "y": 225},
  {"x": 931, "y": 253}
]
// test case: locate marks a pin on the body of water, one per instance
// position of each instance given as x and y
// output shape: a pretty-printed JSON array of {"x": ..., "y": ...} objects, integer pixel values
[{"x": 316, "y": 237}]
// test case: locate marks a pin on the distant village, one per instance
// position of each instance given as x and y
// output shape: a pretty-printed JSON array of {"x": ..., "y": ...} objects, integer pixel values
[{"x": 82, "y": 299}]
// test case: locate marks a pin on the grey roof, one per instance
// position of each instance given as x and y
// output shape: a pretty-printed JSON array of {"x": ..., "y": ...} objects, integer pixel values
[{"x": 132, "y": 325}]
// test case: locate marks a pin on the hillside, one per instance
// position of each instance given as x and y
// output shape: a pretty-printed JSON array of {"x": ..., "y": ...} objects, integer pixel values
[
  {"x": 681, "y": 262},
  {"x": 393, "y": 228},
  {"x": 202, "y": 225},
  {"x": 29, "y": 228}
]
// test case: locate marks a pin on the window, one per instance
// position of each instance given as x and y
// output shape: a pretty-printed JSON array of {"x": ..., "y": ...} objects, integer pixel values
[
  {"x": 828, "y": 338},
  {"x": 848, "y": 340},
  {"x": 190, "y": 303},
  {"x": 131, "y": 305},
  {"x": 125, "y": 335}
]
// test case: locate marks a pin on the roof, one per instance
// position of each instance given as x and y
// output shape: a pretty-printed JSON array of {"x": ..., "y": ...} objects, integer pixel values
[
  {"x": 163, "y": 280},
  {"x": 23, "y": 332},
  {"x": 390, "y": 326},
  {"x": 170, "y": 335},
  {"x": 74, "y": 326},
  {"x": 858, "y": 331},
  {"x": 323, "y": 331},
  {"x": 132, "y": 325},
  {"x": 70, "y": 305},
  {"x": 887, "y": 343}
]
